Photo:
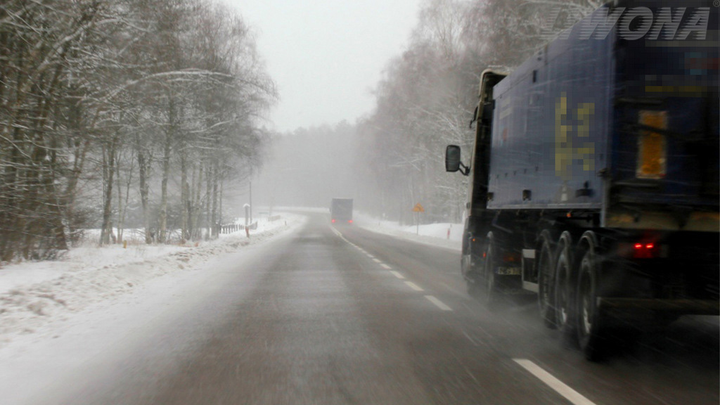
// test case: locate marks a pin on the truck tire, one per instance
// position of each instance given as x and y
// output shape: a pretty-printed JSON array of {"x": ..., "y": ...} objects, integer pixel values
[
  {"x": 590, "y": 325},
  {"x": 546, "y": 291},
  {"x": 565, "y": 318}
]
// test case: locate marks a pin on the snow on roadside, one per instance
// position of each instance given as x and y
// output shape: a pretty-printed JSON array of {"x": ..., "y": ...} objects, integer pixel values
[
  {"x": 34, "y": 293},
  {"x": 440, "y": 234}
]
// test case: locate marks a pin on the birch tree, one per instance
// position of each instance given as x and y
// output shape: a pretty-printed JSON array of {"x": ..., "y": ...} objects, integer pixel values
[{"x": 87, "y": 84}]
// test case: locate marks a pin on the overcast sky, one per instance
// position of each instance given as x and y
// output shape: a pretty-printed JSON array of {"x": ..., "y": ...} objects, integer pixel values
[{"x": 327, "y": 55}]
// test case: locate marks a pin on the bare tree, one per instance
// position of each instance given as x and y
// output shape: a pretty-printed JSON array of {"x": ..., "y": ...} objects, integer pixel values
[{"x": 84, "y": 83}]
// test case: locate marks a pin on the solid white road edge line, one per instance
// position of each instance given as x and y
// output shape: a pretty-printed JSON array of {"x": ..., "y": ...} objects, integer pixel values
[
  {"x": 398, "y": 275},
  {"x": 377, "y": 261},
  {"x": 438, "y": 303},
  {"x": 557, "y": 385},
  {"x": 385, "y": 266},
  {"x": 335, "y": 231},
  {"x": 413, "y": 286}
]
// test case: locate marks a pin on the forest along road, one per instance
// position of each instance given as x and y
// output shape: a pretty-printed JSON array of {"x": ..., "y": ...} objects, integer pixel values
[{"x": 341, "y": 315}]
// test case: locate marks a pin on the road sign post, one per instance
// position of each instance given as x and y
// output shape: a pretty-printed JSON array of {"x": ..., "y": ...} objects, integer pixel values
[{"x": 418, "y": 209}]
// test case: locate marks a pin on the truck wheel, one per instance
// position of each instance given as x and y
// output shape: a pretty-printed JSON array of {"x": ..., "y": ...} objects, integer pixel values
[
  {"x": 564, "y": 292},
  {"x": 546, "y": 296},
  {"x": 590, "y": 325}
]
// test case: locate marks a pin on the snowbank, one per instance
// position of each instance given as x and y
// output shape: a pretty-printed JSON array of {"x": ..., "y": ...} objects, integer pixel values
[
  {"x": 446, "y": 235},
  {"x": 34, "y": 293},
  {"x": 303, "y": 209}
]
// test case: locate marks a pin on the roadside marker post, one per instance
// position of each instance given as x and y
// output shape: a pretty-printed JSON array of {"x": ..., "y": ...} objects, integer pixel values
[{"x": 418, "y": 209}]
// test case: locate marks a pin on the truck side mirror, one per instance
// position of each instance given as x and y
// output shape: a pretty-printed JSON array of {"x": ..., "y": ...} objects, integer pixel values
[{"x": 452, "y": 160}]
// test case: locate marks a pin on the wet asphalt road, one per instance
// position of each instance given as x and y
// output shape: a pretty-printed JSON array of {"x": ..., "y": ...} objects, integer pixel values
[{"x": 364, "y": 318}]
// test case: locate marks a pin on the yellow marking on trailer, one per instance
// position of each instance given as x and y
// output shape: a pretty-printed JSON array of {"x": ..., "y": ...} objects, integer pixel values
[{"x": 565, "y": 150}]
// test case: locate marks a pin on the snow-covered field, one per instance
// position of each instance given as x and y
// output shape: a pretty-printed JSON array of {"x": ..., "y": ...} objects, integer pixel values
[
  {"x": 441, "y": 234},
  {"x": 35, "y": 294}
]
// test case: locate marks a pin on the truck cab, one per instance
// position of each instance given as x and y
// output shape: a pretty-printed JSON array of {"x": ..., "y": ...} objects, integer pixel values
[{"x": 478, "y": 170}]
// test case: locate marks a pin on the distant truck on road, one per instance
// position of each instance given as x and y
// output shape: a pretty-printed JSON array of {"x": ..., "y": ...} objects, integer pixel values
[
  {"x": 341, "y": 211},
  {"x": 594, "y": 174}
]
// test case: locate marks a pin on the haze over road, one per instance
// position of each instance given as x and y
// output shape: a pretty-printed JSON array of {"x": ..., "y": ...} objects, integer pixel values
[{"x": 345, "y": 316}]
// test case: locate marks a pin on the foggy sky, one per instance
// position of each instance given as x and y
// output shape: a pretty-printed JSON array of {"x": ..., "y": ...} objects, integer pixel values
[{"x": 326, "y": 55}]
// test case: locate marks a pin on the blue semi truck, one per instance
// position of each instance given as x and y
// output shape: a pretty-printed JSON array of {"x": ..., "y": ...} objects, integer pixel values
[{"x": 594, "y": 173}]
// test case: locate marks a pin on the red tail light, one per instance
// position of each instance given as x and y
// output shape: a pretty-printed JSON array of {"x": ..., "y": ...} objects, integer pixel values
[
  {"x": 645, "y": 251},
  {"x": 333, "y": 221},
  {"x": 350, "y": 221}
]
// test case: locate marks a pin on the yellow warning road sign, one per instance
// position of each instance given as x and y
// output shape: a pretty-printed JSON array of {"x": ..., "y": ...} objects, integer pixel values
[{"x": 418, "y": 208}]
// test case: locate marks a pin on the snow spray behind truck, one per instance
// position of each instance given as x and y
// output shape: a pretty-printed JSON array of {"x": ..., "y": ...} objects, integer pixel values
[
  {"x": 594, "y": 174},
  {"x": 341, "y": 211}
]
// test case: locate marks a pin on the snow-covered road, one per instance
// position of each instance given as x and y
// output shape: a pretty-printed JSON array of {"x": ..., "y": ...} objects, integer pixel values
[
  {"x": 321, "y": 314},
  {"x": 67, "y": 315},
  {"x": 64, "y": 315}
]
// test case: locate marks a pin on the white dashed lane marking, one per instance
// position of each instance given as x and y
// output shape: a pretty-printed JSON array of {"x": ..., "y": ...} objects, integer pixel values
[
  {"x": 559, "y": 387},
  {"x": 398, "y": 275},
  {"x": 410, "y": 284},
  {"x": 438, "y": 303},
  {"x": 413, "y": 286}
]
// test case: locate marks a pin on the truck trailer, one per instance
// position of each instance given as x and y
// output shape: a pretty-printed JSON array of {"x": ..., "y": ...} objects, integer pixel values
[
  {"x": 341, "y": 211},
  {"x": 594, "y": 174}
]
